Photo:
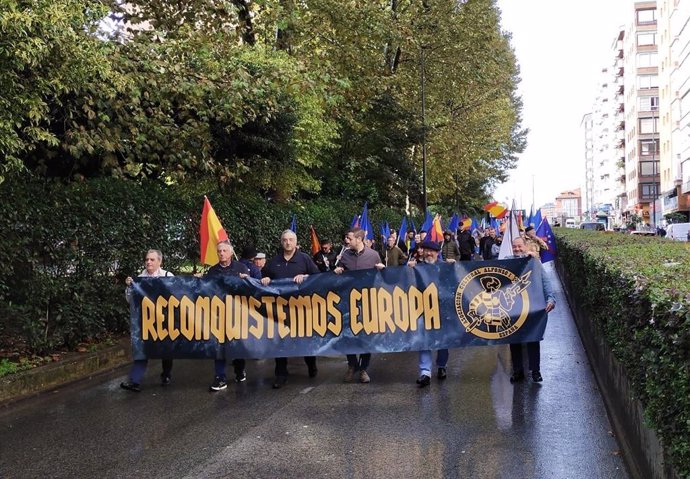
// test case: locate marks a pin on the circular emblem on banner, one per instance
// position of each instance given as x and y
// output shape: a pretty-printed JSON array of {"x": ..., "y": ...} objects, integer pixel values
[{"x": 492, "y": 302}]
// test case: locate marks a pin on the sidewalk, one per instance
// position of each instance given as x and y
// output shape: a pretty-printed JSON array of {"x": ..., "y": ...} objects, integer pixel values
[{"x": 71, "y": 367}]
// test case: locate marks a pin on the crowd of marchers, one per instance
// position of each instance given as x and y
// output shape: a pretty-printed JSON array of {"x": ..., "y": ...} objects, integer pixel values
[{"x": 355, "y": 253}]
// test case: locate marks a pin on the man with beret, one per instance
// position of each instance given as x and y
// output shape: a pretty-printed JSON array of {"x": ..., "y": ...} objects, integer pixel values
[{"x": 431, "y": 249}]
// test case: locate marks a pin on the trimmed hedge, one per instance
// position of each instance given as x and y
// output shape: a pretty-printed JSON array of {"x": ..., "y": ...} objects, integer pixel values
[
  {"x": 637, "y": 289},
  {"x": 66, "y": 249}
]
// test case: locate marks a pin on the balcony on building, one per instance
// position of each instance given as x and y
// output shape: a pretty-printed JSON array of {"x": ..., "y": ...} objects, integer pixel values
[{"x": 685, "y": 188}]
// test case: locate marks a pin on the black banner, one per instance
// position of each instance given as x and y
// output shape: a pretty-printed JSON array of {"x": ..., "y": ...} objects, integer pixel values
[{"x": 395, "y": 309}]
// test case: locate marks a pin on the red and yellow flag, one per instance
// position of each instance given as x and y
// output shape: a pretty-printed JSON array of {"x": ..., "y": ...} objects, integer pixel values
[
  {"x": 436, "y": 233},
  {"x": 315, "y": 243},
  {"x": 210, "y": 232},
  {"x": 495, "y": 209}
]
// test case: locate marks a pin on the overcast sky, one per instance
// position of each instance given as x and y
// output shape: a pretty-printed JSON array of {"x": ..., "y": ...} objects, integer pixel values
[{"x": 561, "y": 47}]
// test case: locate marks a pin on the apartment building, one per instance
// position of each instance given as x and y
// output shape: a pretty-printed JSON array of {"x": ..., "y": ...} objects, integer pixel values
[
  {"x": 569, "y": 205},
  {"x": 641, "y": 105},
  {"x": 674, "y": 106}
]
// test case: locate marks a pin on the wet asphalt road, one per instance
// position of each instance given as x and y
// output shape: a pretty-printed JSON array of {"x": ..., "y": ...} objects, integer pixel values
[{"x": 473, "y": 425}]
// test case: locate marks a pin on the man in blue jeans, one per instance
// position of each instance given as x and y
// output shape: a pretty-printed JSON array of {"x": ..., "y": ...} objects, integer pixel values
[
  {"x": 431, "y": 250},
  {"x": 227, "y": 267}
]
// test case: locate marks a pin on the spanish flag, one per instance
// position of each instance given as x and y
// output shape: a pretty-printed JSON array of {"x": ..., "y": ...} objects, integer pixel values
[
  {"x": 315, "y": 243},
  {"x": 495, "y": 209},
  {"x": 211, "y": 232},
  {"x": 436, "y": 233}
]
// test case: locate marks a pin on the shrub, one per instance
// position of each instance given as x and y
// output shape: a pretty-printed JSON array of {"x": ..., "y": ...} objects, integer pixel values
[
  {"x": 66, "y": 249},
  {"x": 636, "y": 289}
]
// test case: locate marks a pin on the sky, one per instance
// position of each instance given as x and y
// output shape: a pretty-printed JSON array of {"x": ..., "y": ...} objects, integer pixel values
[{"x": 561, "y": 47}]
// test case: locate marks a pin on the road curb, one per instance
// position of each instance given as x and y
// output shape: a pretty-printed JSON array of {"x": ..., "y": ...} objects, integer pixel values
[{"x": 69, "y": 369}]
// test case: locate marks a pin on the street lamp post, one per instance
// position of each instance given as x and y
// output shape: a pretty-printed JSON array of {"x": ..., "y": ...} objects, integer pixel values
[{"x": 422, "y": 81}]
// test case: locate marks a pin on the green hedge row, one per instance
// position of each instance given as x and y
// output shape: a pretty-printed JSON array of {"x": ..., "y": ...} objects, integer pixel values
[
  {"x": 66, "y": 249},
  {"x": 637, "y": 290}
]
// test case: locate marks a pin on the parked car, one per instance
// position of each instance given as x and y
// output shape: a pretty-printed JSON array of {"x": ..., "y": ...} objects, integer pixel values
[
  {"x": 643, "y": 233},
  {"x": 594, "y": 226},
  {"x": 570, "y": 223}
]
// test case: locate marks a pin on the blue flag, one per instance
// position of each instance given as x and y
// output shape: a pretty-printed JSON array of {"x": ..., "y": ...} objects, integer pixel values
[
  {"x": 428, "y": 222},
  {"x": 293, "y": 225},
  {"x": 365, "y": 224},
  {"x": 385, "y": 231},
  {"x": 355, "y": 222},
  {"x": 453, "y": 223},
  {"x": 545, "y": 233},
  {"x": 536, "y": 219},
  {"x": 402, "y": 232}
]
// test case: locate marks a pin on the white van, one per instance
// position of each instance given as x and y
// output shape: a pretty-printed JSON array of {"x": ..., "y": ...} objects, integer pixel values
[
  {"x": 678, "y": 231},
  {"x": 569, "y": 223}
]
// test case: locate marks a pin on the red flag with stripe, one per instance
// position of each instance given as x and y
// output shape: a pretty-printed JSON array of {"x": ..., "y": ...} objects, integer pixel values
[{"x": 211, "y": 232}]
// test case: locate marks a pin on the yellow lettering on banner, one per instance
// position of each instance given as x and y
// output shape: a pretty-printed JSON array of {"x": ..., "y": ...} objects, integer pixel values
[
  {"x": 148, "y": 319},
  {"x": 257, "y": 329},
  {"x": 187, "y": 318},
  {"x": 245, "y": 317},
  {"x": 319, "y": 316},
  {"x": 160, "y": 318},
  {"x": 173, "y": 304},
  {"x": 432, "y": 311},
  {"x": 218, "y": 319},
  {"x": 401, "y": 311},
  {"x": 201, "y": 318},
  {"x": 300, "y": 309},
  {"x": 385, "y": 311},
  {"x": 269, "y": 301},
  {"x": 335, "y": 327},
  {"x": 232, "y": 326},
  {"x": 416, "y": 304},
  {"x": 355, "y": 325},
  {"x": 283, "y": 328},
  {"x": 371, "y": 317}
]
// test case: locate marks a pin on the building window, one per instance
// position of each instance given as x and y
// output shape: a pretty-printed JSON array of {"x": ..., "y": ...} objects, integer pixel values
[
  {"x": 646, "y": 16},
  {"x": 648, "y": 190},
  {"x": 647, "y": 59},
  {"x": 646, "y": 39},
  {"x": 649, "y": 168},
  {"x": 649, "y": 147},
  {"x": 648, "y": 103},
  {"x": 647, "y": 81},
  {"x": 648, "y": 125}
]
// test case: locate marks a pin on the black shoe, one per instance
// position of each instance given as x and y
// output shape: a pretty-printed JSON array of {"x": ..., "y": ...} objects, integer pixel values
[
  {"x": 423, "y": 381},
  {"x": 130, "y": 386},
  {"x": 165, "y": 379},
  {"x": 219, "y": 384},
  {"x": 313, "y": 370},
  {"x": 517, "y": 376},
  {"x": 240, "y": 376},
  {"x": 442, "y": 374},
  {"x": 536, "y": 377},
  {"x": 279, "y": 382}
]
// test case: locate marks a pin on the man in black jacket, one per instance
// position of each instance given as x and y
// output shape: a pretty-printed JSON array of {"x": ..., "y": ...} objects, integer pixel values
[{"x": 289, "y": 263}]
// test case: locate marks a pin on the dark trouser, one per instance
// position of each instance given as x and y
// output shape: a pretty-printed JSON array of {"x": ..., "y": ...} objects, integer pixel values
[
  {"x": 466, "y": 257},
  {"x": 360, "y": 365},
  {"x": 532, "y": 355},
  {"x": 136, "y": 374},
  {"x": 219, "y": 367},
  {"x": 281, "y": 365}
]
